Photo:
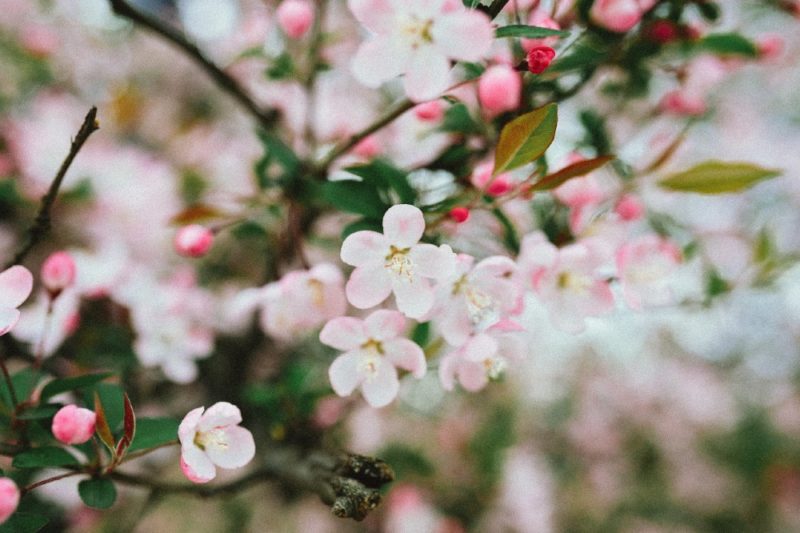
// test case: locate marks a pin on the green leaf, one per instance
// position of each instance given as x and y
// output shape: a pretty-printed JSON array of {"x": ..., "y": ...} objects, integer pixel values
[
  {"x": 525, "y": 138},
  {"x": 583, "y": 56},
  {"x": 24, "y": 523},
  {"x": 362, "y": 224},
  {"x": 717, "y": 177},
  {"x": 99, "y": 493},
  {"x": 24, "y": 382},
  {"x": 529, "y": 32},
  {"x": 354, "y": 197},
  {"x": 728, "y": 44},
  {"x": 57, "y": 386},
  {"x": 386, "y": 176},
  {"x": 44, "y": 457},
  {"x": 40, "y": 412},
  {"x": 421, "y": 334},
  {"x": 575, "y": 170},
  {"x": 510, "y": 233},
  {"x": 152, "y": 432},
  {"x": 111, "y": 395},
  {"x": 458, "y": 120}
]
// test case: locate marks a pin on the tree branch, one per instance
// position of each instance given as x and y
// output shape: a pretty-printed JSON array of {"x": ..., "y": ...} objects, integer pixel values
[
  {"x": 347, "y": 482},
  {"x": 266, "y": 118},
  {"x": 41, "y": 224},
  {"x": 493, "y": 9}
]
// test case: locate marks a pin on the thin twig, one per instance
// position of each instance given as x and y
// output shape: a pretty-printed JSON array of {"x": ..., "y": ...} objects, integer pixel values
[
  {"x": 50, "y": 480},
  {"x": 493, "y": 9},
  {"x": 266, "y": 118},
  {"x": 42, "y": 223}
]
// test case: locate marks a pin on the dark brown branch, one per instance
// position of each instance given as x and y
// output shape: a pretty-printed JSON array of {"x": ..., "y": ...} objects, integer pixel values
[
  {"x": 349, "y": 483},
  {"x": 266, "y": 118},
  {"x": 493, "y": 9},
  {"x": 42, "y": 223}
]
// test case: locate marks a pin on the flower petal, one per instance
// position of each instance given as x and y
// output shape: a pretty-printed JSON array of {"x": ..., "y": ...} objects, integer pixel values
[
  {"x": 343, "y": 333},
  {"x": 8, "y": 319},
  {"x": 368, "y": 286},
  {"x": 480, "y": 348},
  {"x": 447, "y": 370},
  {"x": 427, "y": 74},
  {"x": 381, "y": 388},
  {"x": 237, "y": 450},
  {"x": 188, "y": 426},
  {"x": 196, "y": 465},
  {"x": 378, "y": 60},
  {"x": 464, "y": 35},
  {"x": 407, "y": 355},
  {"x": 432, "y": 261},
  {"x": 219, "y": 415},
  {"x": 375, "y": 15},
  {"x": 403, "y": 225},
  {"x": 16, "y": 284},
  {"x": 362, "y": 247},
  {"x": 414, "y": 297},
  {"x": 344, "y": 373},
  {"x": 472, "y": 376},
  {"x": 384, "y": 324}
]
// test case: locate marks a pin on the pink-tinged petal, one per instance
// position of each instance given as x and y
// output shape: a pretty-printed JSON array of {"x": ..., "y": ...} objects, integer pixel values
[
  {"x": 447, "y": 371},
  {"x": 188, "y": 427},
  {"x": 376, "y": 15},
  {"x": 454, "y": 323},
  {"x": 472, "y": 376},
  {"x": 403, "y": 225},
  {"x": 327, "y": 273},
  {"x": 464, "y": 35},
  {"x": 8, "y": 319},
  {"x": 343, "y": 333},
  {"x": 433, "y": 261},
  {"x": 344, "y": 373},
  {"x": 220, "y": 414},
  {"x": 414, "y": 298},
  {"x": 384, "y": 324},
  {"x": 480, "y": 348},
  {"x": 496, "y": 265},
  {"x": 363, "y": 247},
  {"x": 506, "y": 325},
  {"x": 235, "y": 450},
  {"x": 407, "y": 355},
  {"x": 196, "y": 465},
  {"x": 427, "y": 74},
  {"x": 368, "y": 286},
  {"x": 16, "y": 284},
  {"x": 381, "y": 388},
  {"x": 9, "y": 498},
  {"x": 378, "y": 60}
]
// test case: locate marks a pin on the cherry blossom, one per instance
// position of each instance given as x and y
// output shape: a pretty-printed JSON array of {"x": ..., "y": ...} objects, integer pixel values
[
  {"x": 73, "y": 424},
  {"x": 417, "y": 38},
  {"x": 373, "y": 350},
  {"x": 9, "y": 498},
  {"x": 295, "y": 17},
  {"x": 619, "y": 15},
  {"x": 394, "y": 262},
  {"x": 645, "y": 265},
  {"x": 16, "y": 284},
  {"x": 58, "y": 272},
  {"x": 212, "y": 438},
  {"x": 499, "y": 89}
]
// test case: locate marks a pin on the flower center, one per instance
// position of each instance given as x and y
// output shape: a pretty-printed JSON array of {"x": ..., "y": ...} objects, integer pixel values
[
  {"x": 417, "y": 31},
  {"x": 578, "y": 283},
  {"x": 399, "y": 263},
  {"x": 214, "y": 437},
  {"x": 317, "y": 292},
  {"x": 495, "y": 367}
]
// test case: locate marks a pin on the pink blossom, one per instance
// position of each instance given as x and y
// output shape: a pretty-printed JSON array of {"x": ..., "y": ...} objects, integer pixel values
[
  {"x": 539, "y": 58},
  {"x": 373, "y": 350},
  {"x": 393, "y": 262},
  {"x": 567, "y": 280},
  {"x": 418, "y": 38},
  {"x": 39, "y": 41},
  {"x": 9, "y": 498},
  {"x": 483, "y": 357},
  {"x": 683, "y": 103},
  {"x": 475, "y": 297},
  {"x": 644, "y": 266},
  {"x": 73, "y": 424},
  {"x": 432, "y": 111},
  {"x": 193, "y": 240},
  {"x": 16, "y": 284},
  {"x": 618, "y": 15},
  {"x": 58, "y": 272},
  {"x": 295, "y": 17},
  {"x": 368, "y": 147},
  {"x": 460, "y": 214},
  {"x": 213, "y": 439},
  {"x": 770, "y": 47},
  {"x": 493, "y": 186},
  {"x": 629, "y": 208},
  {"x": 302, "y": 301},
  {"x": 499, "y": 89}
]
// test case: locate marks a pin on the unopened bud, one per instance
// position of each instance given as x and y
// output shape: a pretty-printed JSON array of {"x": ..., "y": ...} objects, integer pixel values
[
  {"x": 58, "y": 272},
  {"x": 73, "y": 424},
  {"x": 459, "y": 214},
  {"x": 193, "y": 240},
  {"x": 539, "y": 58},
  {"x": 295, "y": 17}
]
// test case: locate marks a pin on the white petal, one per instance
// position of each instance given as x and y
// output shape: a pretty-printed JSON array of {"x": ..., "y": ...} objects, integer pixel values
[
  {"x": 464, "y": 35},
  {"x": 472, "y": 376},
  {"x": 344, "y": 373},
  {"x": 16, "y": 284},
  {"x": 381, "y": 388},
  {"x": 376, "y": 15},
  {"x": 362, "y": 247},
  {"x": 447, "y": 371},
  {"x": 378, "y": 60},
  {"x": 427, "y": 74},
  {"x": 384, "y": 324},
  {"x": 414, "y": 298},
  {"x": 403, "y": 225},
  {"x": 368, "y": 286},
  {"x": 407, "y": 355},
  {"x": 196, "y": 465},
  {"x": 8, "y": 319},
  {"x": 343, "y": 333},
  {"x": 188, "y": 427},
  {"x": 480, "y": 348},
  {"x": 219, "y": 415},
  {"x": 237, "y": 450},
  {"x": 433, "y": 261}
]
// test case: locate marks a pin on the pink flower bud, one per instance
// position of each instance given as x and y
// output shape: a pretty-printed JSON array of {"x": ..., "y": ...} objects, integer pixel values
[
  {"x": 499, "y": 89},
  {"x": 539, "y": 58},
  {"x": 39, "y": 41},
  {"x": 73, "y": 424},
  {"x": 9, "y": 498},
  {"x": 499, "y": 186},
  {"x": 482, "y": 179},
  {"x": 295, "y": 17},
  {"x": 368, "y": 147},
  {"x": 770, "y": 46},
  {"x": 682, "y": 103},
  {"x": 616, "y": 15},
  {"x": 58, "y": 272},
  {"x": 662, "y": 31},
  {"x": 459, "y": 214},
  {"x": 432, "y": 111},
  {"x": 193, "y": 240},
  {"x": 629, "y": 208}
]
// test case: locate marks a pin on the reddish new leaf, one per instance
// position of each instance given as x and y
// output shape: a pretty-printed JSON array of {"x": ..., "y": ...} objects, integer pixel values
[
  {"x": 581, "y": 168},
  {"x": 129, "y": 424},
  {"x": 197, "y": 213},
  {"x": 101, "y": 425}
]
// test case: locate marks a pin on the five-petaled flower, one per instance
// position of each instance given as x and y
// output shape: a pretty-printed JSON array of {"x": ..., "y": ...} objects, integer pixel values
[
  {"x": 213, "y": 439},
  {"x": 16, "y": 284},
  {"x": 395, "y": 262},
  {"x": 373, "y": 349}
]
